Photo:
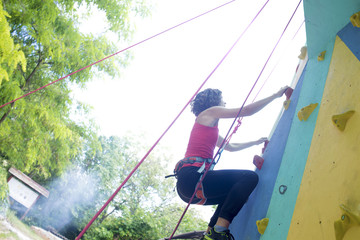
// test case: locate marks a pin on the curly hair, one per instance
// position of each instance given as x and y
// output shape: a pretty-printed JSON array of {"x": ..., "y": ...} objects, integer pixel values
[{"x": 206, "y": 99}]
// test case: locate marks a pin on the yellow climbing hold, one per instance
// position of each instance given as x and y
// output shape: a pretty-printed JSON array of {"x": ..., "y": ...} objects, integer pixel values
[
  {"x": 262, "y": 224},
  {"x": 288, "y": 94},
  {"x": 349, "y": 219},
  {"x": 305, "y": 112},
  {"x": 355, "y": 20},
  {"x": 321, "y": 56},
  {"x": 341, "y": 119},
  {"x": 286, "y": 104},
  {"x": 303, "y": 52}
]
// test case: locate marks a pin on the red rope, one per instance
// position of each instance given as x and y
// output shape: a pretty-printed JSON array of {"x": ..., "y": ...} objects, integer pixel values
[
  {"x": 273, "y": 69},
  {"x": 267, "y": 61},
  {"x": 154, "y": 145},
  {"x": 226, "y": 139},
  {"x": 178, "y": 25}
]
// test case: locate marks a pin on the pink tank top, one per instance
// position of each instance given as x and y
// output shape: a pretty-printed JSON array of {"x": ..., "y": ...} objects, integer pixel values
[{"x": 202, "y": 141}]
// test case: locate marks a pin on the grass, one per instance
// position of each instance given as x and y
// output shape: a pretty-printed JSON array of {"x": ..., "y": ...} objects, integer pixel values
[
  {"x": 20, "y": 226},
  {"x": 9, "y": 236}
]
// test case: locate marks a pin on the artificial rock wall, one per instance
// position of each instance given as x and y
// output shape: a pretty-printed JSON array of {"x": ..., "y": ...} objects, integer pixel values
[{"x": 309, "y": 181}]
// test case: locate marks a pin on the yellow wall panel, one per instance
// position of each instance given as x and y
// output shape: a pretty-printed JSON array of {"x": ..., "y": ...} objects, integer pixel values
[{"x": 332, "y": 173}]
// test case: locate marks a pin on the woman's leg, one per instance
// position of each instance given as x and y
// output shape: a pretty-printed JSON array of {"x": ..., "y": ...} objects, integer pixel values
[
  {"x": 223, "y": 222},
  {"x": 230, "y": 189}
]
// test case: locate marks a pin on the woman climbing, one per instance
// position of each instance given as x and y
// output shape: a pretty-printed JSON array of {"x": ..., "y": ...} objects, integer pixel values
[{"x": 229, "y": 189}]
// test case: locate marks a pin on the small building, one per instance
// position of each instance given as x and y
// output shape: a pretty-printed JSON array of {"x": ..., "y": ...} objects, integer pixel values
[{"x": 24, "y": 190}]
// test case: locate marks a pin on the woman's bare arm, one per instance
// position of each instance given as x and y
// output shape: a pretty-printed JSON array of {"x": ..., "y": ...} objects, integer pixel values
[
  {"x": 223, "y": 112},
  {"x": 233, "y": 147}
]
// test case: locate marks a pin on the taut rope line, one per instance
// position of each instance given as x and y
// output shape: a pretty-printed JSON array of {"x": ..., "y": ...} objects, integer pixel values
[
  {"x": 227, "y": 139},
  {"x": 154, "y": 145},
  {"x": 217, "y": 155},
  {"x": 112, "y": 55}
]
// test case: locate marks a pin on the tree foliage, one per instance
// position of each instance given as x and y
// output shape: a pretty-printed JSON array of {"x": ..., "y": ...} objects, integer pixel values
[
  {"x": 143, "y": 209},
  {"x": 10, "y": 55},
  {"x": 4, "y": 186},
  {"x": 40, "y": 42},
  {"x": 125, "y": 228},
  {"x": 37, "y": 133}
]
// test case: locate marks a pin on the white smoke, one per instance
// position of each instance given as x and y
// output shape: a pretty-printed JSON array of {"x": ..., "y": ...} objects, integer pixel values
[{"x": 70, "y": 195}]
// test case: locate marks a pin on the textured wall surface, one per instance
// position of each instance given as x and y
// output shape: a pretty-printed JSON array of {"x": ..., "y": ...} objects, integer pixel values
[
  {"x": 244, "y": 225},
  {"x": 296, "y": 151},
  {"x": 324, "y": 19},
  {"x": 331, "y": 176},
  {"x": 317, "y": 163}
]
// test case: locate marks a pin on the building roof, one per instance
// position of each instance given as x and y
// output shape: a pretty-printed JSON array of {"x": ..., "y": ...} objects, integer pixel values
[{"x": 28, "y": 181}]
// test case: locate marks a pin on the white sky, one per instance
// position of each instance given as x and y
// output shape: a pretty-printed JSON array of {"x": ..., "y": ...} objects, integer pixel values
[{"x": 167, "y": 70}]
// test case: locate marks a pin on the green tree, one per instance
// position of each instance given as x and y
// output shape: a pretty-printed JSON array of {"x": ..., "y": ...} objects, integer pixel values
[
  {"x": 112, "y": 164},
  {"x": 10, "y": 55},
  {"x": 10, "y": 58},
  {"x": 132, "y": 227},
  {"x": 72, "y": 201},
  {"x": 149, "y": 225},
  {"x": 3, "y": 191},
  {"x": 143, "y": 209},
  {"x": 38, "y": 134},
  {"x": 166, "y": 216}
]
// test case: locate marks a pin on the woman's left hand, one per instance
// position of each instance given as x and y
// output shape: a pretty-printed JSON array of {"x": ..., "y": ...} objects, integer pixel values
[{"x": 281, "y": 91}]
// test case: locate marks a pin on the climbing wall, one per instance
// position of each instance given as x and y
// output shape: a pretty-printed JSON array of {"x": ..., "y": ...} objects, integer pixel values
[
  {"x": 331, "y": 177},
  {"x": 313, "y": 185},
  {"x": 243, "y": 226},
  {"x": 285, "y": 191},
  {"x": 294, "y": 214}
]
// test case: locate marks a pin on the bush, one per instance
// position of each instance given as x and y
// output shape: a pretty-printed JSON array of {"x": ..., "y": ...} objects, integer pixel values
[{"x": 121, "y": 228}]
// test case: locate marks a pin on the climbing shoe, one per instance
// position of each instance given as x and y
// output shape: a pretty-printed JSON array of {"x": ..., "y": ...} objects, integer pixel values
[{"x": 214, "y": 235}]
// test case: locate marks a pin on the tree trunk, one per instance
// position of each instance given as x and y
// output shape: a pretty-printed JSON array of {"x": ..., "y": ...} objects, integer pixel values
[
  {"x": 6, "y": 114},
  {"x": 22, "y": 88}
]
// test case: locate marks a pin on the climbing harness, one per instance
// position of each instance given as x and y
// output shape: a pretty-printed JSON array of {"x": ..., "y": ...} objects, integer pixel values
[
  {"x": 192, "y": 162},
  {"x": 206, "y": 164},
  {"x": 236, "y": 119},
  {"x": 202, "y": 163},
  {"x": 166, "y": 130},
  {"x": 199, "y": 198}
]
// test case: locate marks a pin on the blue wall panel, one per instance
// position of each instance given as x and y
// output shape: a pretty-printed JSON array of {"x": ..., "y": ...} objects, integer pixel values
[
  {"x": 244, "y": 225},
  {"x": 350, "y": 35}
]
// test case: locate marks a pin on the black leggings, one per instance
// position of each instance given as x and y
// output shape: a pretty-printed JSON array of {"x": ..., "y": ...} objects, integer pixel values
[{"x": 230, "y": 189}]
